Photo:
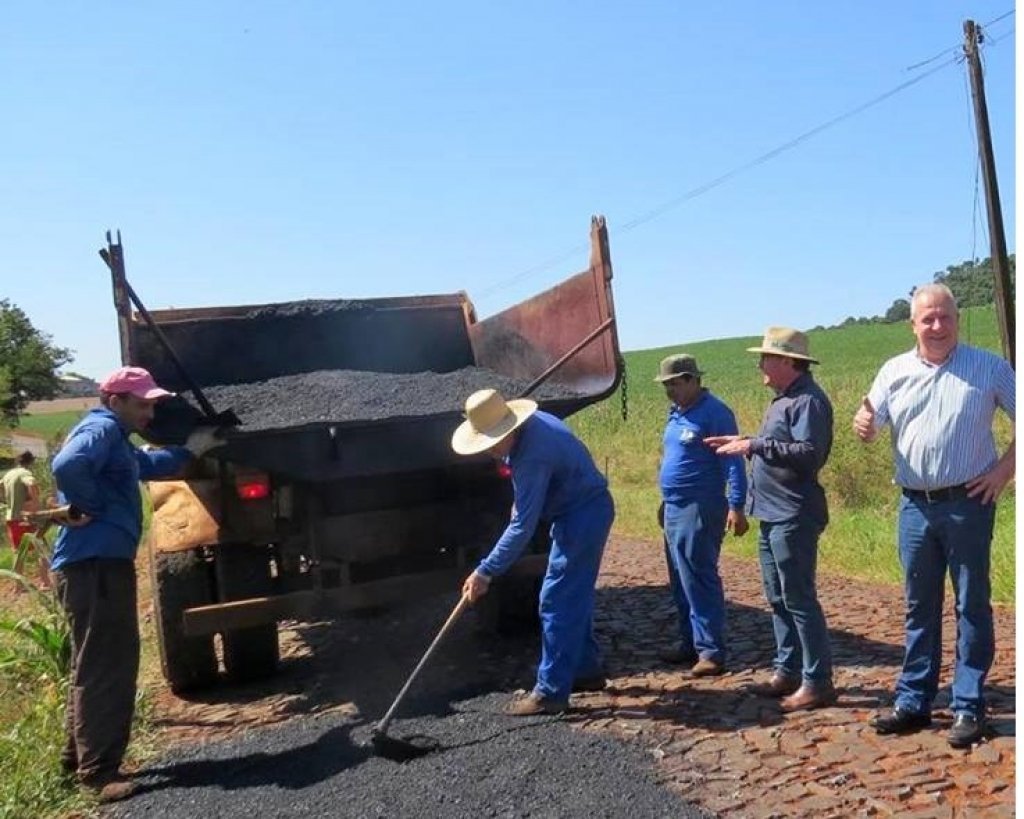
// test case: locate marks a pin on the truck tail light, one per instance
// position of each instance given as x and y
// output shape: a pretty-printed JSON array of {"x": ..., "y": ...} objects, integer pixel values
[{"x": 252, "y": 485}]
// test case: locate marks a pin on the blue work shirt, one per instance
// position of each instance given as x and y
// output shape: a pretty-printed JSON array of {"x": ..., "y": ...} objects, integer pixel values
[
  {"x": 552, "y": 475},
  {"x": 690, "y": 469},
  {"x": 98, "y": 470},
  {"x": 789, "y": 451}
]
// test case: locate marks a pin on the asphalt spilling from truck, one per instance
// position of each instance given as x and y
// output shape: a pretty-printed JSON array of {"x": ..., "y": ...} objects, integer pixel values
[{"x": 340, "y": 396}]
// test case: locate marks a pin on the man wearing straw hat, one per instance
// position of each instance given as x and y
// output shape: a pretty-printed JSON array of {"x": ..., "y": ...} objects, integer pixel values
[
  {"x": 553, "y": 479},
  {"x": 785, "y": 496},
  {"x": 696, "y": 512}
]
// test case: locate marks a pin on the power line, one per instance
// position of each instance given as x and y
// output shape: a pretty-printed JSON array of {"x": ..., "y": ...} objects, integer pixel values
[
  {"x": 958, "y": 48},
  {"x": 693, "y": 193}
]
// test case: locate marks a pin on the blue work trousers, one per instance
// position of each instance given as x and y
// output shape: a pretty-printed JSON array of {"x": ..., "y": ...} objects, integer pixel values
[
  {"x": 693, "y": 542},
  {"x": 935, "y": 538},
  {"x": 568, "y": 647},
  {"x": 789, "y": 560}
]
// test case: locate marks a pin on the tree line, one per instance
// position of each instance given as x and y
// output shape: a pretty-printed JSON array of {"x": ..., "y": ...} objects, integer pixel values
[{"x": 972, "y": 283}]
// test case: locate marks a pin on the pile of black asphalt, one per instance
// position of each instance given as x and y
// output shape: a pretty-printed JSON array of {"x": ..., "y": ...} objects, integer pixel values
[
  {"x": 321, "y": 762},
  {"x": 339, "y": 396},
  {"x": 487, "y": 765}
]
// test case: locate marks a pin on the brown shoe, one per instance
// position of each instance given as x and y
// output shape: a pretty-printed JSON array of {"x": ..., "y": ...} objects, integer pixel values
[
  {"x": 779, "y": 685},
  {"x": 533, "y": 703},
  {"x": 707, "y": 668},
  {"x": 809, "y": 696},
  {"x": 110, "y": 789}
]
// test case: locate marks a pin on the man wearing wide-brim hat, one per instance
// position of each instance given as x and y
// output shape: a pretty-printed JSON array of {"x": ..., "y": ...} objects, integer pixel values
[
  {"x": 553, "y": 479},
  {"x": 702, "y": 495},
  {"x": 786, "y": 456}
]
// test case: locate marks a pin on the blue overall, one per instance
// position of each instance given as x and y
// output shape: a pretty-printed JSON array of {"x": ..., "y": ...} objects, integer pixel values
[
  {"x": 554, "y": 479},
  {"x": 698, "y": 488}
]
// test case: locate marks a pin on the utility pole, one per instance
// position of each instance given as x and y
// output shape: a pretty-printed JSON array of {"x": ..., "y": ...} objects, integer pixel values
[{"x": 1000, "y": 263}]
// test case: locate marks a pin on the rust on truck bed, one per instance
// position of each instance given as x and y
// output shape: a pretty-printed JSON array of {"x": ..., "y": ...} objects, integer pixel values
[{"x": 340, "y": 490}]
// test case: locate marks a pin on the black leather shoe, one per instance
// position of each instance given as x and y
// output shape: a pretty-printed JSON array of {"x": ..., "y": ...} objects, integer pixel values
[
  {"x": 900, "y": 721},
  {"x": 967, "y": 729}
]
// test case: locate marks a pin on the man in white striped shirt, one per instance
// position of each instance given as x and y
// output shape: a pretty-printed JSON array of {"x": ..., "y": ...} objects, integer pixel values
[{"x": 940, "y": 399}]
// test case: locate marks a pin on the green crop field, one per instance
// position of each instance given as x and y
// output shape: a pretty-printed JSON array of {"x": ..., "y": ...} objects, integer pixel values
[
  {"x": 861, "y": 538},
  {"x": 50, "y": 425}
]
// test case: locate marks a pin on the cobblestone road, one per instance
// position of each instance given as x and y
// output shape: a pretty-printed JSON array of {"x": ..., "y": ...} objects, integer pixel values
[
  {"x": 738, "y": 755},
  {"x": 734, "y": 754}
]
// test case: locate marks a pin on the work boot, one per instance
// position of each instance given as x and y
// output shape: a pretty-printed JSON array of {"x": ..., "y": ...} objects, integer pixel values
[
  {"x": 533, "y": 704},
  {"x": 707, "y": 668},
  {"x": 597, "y": 682},
  {"x": 112, "y": 788},
  {"x": 678, "y": 656},
  {"x": 966, "y": 731},
  {"x": 780, "y": 685},
  {"x": 809, "y": 696}
]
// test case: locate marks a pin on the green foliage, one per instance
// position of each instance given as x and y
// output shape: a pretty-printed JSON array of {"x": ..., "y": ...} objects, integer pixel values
[
  {"x": 28, "y": 363},
  {"x": 899, "y": 310},
  {"x": 973, "y": 283},
  {"x": 41, "y": 648},
  {"x": 857, "y": 479},
  {"x": 34, "y": 656},
  {"x": 32, "y": 715}
]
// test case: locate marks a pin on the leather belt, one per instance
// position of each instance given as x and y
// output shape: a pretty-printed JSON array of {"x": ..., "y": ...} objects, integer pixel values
[{"x": 943, "y": 495}]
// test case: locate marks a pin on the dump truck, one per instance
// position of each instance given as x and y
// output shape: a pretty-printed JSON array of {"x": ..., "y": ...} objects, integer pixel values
[{"x": 338, "y": 490}]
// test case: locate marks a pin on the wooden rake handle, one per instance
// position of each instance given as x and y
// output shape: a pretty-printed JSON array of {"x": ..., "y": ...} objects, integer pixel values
[{"x": 460, "y": 607}]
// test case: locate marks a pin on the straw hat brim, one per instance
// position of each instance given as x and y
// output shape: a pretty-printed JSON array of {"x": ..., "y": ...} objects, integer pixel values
[
  {"x": 776, "y": 351},
  {"x": 469, "y": 441}
]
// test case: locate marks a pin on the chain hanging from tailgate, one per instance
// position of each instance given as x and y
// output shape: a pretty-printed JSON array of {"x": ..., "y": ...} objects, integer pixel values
[{"x": 624, "y": 389}]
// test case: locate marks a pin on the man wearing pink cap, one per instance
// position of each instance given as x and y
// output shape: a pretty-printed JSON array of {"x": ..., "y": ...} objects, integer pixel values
[{"x": 97, "y": 473}]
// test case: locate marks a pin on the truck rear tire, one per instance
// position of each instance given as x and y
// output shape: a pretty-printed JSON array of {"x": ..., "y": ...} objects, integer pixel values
[
  {"x": 179, "y": 581},
  {"x": 243, "y": 571}
]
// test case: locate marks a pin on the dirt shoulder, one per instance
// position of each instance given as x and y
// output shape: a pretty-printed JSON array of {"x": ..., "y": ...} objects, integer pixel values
[{"x": 716, "y": 745}]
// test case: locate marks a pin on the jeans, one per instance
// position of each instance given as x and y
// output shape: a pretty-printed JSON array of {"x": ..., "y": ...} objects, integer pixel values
[
  {"x": 693, "y": 541},
  {"x": 953, "y": 536},
  {"x": 568, "y": 648},
  {"x": 789, "y": 558}
]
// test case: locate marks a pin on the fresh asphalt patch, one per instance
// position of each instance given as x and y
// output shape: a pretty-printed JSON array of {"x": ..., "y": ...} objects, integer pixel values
[{"x": 487, "y": 764}]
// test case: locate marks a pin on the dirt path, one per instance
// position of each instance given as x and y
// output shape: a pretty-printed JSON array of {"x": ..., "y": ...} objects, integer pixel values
[{"x": 733, "y": 753}]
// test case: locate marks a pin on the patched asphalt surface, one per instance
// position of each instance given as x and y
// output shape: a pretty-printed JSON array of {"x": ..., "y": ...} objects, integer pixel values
[
  {"x": 337, "y": 678},
  {"x": 488, "y": 764}
]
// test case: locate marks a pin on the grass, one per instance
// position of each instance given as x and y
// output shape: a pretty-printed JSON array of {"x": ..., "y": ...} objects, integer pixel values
[
  {"x": 32, "y": 693},
  {"x": 861, "y": 538},
  {"x": 859, "y": 542},
  {"x": 50, "y": 425}
]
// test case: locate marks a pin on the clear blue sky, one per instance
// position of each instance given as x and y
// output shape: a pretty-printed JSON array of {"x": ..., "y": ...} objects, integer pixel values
[{"x": 254, "y": 152}]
